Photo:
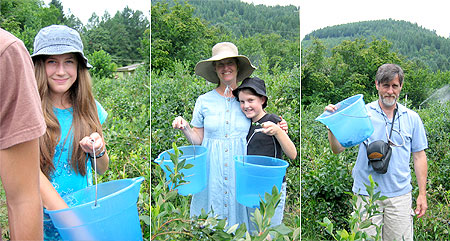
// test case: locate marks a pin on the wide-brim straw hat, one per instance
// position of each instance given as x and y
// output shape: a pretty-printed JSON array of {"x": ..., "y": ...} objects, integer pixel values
[
  {"x": 57, "y": 40},
  {"x": 206, "y": 69}
]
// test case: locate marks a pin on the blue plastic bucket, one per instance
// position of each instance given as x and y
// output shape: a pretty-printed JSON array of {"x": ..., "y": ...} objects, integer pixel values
[
  {"x": 350, "y": 123},
  {"x": 256, "y": 175},
  {"x": 115, "y": 217},
  {"x": 195, "y": 177}
]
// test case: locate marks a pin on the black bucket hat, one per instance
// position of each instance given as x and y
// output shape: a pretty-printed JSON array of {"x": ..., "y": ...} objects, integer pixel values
[{"x": 256, "y": 84}]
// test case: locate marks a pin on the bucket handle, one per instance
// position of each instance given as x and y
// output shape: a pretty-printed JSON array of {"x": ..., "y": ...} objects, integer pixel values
[
  {"x": 367, "y": 116},
  {"x": 95, "y": 171},
  {"x": 246, "y": 145}
]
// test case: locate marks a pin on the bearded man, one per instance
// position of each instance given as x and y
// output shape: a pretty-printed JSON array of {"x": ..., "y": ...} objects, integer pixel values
[{"x": 386, "y": 154}]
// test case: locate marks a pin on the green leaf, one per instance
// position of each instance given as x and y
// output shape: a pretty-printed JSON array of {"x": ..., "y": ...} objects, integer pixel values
[
  {"x": 188, "y": 166},
  {"x": 171, "y": 195},
  {"x": 283, "y": 229},
  {"x": 365, "y": 224},
  {"x": 145, "y": 218},
  {"x": 343, "y": 234},
  {"x": 233, "y": 228},
  {"x": 241, "y": 230},
  {"x": 258, "y": 218},
  {"x": 296, "y": 235}
]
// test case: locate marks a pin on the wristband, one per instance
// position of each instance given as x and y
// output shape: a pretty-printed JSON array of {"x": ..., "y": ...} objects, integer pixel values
[{"x": 99, "y": 155}]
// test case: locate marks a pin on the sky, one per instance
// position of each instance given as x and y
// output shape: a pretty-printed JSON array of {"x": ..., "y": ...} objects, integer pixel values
[
  {"x": 83, "y": 9},
  {"x": 430, "y": 14}
]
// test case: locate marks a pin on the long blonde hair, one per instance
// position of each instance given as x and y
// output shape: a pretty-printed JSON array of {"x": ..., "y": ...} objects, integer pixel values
[{"x": 85, "y": 118}]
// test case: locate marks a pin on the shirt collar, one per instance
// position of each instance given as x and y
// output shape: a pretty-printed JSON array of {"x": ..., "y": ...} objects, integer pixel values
[{"x": 375, "y": 106}]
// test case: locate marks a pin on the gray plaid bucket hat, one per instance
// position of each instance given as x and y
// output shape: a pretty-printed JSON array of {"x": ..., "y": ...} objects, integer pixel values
[{"x": 56, "y": 40}]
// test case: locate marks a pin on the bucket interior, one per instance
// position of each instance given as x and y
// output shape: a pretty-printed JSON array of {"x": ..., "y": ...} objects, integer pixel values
[
  {"x": 262, "y": 161},
  {"x": 342, "y": 107},
  {"x": 350, "y": 123}
]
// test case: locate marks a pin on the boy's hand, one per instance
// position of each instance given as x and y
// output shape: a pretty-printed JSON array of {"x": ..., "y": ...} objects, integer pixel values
[{"x": 270, "y": 128}]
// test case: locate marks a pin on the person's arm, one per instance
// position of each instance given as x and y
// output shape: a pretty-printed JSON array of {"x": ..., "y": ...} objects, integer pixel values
[
  {"x": 50, "y": 197},
  {"x": 19, "y": 170},
  {"x": 287, "y": 145},
  {"x": 336, "y": 147},
  {"x": 421, "y": 170},
  {"x": 194, "y": 135}
]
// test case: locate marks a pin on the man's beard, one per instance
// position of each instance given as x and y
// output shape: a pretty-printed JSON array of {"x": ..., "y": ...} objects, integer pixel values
[{"x": 387, "y": 102}]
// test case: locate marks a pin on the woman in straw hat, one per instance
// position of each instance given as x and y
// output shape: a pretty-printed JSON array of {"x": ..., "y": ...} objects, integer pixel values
[
  {"x": 73, "y": 117},
  {"x": 219, "y": 124}
]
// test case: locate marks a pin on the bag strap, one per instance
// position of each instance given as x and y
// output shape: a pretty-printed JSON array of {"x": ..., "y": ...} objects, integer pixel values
[{"x": 392, "y": 126}]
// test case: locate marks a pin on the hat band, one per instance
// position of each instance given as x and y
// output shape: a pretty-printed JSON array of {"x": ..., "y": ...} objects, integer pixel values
[{"x": 61, "y": 42}]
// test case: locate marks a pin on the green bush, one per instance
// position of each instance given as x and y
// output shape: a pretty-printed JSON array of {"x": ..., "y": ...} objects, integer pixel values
[
  {"x": 102, "y": 65},
  {"x": 127, "y": 132}
]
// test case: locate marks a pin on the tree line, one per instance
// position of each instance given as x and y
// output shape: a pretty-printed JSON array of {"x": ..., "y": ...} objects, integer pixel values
[
  {"x": 351, "y": 70},
  {"x": 181, "y": 35},
  {"x": 245, "y": 19},
  {"x": 121, "y": 39},
  {"x": 408, "y": 39}
]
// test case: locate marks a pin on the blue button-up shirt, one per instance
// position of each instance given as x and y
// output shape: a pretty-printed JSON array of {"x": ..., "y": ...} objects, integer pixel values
[{"x": 397, "y": 180}]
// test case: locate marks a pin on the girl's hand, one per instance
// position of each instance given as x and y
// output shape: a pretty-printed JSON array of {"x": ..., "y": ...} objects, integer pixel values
[
  {"x": 94, "y": 140},
  {"x": 283, "y": 125},
  {"x": 179, "y": 123},
  {"x": 270, "y": 128}
]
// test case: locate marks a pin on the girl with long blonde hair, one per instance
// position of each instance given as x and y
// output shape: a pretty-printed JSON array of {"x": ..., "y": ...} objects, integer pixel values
[{"x": 73, "y": 117}]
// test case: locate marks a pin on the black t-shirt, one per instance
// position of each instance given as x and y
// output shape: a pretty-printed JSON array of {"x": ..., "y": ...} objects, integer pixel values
[{"x": 262, "y": 144}]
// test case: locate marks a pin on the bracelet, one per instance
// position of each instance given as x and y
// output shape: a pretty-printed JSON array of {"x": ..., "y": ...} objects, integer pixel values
[{"x": 99, "y": 155}]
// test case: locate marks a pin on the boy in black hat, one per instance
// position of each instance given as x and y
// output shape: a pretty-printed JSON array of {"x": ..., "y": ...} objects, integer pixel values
[{"x": 265, "y": 137}]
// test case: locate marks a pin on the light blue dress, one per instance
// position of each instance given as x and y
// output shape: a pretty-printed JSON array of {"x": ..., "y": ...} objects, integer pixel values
[
  {"x": 225, "y": 131},
  {"x": 64, "y": 178}
]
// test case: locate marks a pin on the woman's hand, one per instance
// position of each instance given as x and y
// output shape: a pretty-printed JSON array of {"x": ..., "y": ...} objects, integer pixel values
[
  {"x": 92, "y": 141},
  {"x": 194, "y": 135},
  {"x": 179, "y": 123}
]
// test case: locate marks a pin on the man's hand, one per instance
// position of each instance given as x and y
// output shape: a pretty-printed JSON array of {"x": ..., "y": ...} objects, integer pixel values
[{"x": 421, "y": 205}]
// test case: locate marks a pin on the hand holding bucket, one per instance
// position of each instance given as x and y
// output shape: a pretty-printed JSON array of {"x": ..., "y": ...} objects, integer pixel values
[{"x": 348, "y": 120}]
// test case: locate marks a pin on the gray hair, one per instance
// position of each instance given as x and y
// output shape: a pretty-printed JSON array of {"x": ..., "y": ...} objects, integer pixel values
[{"x": 388, "y": 72}]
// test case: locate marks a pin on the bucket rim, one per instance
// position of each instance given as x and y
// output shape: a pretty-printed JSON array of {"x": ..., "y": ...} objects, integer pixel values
[
  {"x": 134, "y": 181},
  {"x": 237, "y": 159},
  {"x": 159, "y": 158},
  {"x": 321, "y": 117}
]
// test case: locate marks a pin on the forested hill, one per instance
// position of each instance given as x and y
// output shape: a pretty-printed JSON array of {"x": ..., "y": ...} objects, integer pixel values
[
  {"x": 408, "y": 39},
  {"x": 244, "y": 19}
]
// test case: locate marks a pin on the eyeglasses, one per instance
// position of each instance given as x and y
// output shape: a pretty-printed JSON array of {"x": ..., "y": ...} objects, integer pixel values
[{"x": 390, "y": 141}]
